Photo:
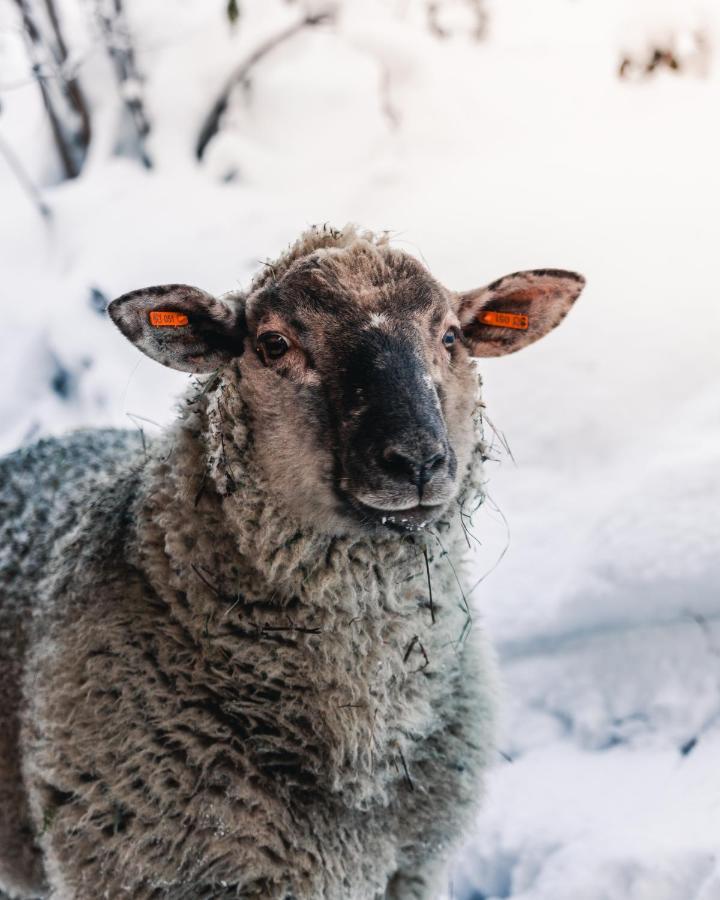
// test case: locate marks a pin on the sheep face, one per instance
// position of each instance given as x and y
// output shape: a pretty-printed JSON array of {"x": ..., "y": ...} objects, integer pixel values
[
  {"x": 356, "y": 356},
  {"x": 356, "y": 369}
]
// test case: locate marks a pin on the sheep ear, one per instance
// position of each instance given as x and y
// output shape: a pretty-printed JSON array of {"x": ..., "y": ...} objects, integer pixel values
[
  {"x": 180, "y": 326},
  {"x": 517, "y": 310}
]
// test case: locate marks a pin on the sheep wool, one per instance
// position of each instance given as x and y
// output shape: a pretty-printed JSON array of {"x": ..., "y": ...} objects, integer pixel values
[{"x": 202, "y": 696}]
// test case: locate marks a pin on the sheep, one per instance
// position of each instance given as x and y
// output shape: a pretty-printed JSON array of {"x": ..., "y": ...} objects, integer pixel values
[{"x": 238, "y": 662}]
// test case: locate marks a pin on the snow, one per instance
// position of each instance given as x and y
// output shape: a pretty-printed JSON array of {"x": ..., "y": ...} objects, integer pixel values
[{"x": 524, "y": 150}]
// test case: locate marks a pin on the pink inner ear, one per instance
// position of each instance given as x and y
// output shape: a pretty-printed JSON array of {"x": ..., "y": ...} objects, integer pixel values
[
  {"x": 517, "y": 310},
  {"x": 531, "y": 293}
]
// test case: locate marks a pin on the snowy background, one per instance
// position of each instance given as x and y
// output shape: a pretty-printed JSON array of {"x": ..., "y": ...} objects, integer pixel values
[{"x": 518, "y": 148}]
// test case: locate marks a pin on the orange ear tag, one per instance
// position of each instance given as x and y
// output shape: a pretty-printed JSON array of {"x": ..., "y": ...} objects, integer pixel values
[
  {"x": 505, "y": 320},
  {"x": 167, "y": 319}
]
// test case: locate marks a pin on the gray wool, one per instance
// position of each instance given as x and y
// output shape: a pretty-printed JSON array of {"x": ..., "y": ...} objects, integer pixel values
[{"x": 200, "y": 697}]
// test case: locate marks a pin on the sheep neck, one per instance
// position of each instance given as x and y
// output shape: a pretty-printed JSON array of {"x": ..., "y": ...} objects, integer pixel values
[{"x": 219, "y": 522}]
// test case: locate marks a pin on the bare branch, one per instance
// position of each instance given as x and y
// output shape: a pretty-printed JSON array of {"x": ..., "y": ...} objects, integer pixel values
[
  {"x": 433, "y": 12},
  {"x": 25, "y": 181},
  {"x": 61, "y": 93},
  {"x": 211, "y": 125},
  {"x": 115, "y": 31}
]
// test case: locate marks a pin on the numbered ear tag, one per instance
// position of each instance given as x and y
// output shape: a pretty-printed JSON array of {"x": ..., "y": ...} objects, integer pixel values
[
  {"x": 505, "y": 320},
  {"x": 167, "y": 319}
]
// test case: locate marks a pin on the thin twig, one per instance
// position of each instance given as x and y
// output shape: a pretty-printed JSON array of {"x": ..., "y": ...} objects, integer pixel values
[
  {"x": 405, "y": 769},
  {"x": 201, "y": 489},
  {"x": 216, "y": 590},
  {"x": 134, "y": 416},
  {"x": 292, "y": 627},
  {"x": 467, "y": 625},
  {"x": 713, "y": 650},
  {"x": 504, "y": 550},
  {"x": 425, "y": 657},
  {"x": 25, "y": 181},
  {"x": 467, "y": 531},
  {"x": 410, "y": 648},
  {"x": 500, "y": 435},
  {"x": 238, "y": 599},
  {"x": 429, "y": 581},
  {"x": 372, "y": 740}
]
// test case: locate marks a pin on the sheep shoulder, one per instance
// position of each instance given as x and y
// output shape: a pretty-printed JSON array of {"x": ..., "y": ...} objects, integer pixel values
[{"x": 44, "y": 489}]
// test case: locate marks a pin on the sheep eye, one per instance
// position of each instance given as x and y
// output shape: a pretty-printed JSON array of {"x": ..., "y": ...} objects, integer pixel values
[
  {"x": 272, "y": 345},
  {"x": 449, "y": 338}
]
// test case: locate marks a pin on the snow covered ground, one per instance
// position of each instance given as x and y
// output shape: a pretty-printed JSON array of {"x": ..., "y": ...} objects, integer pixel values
[{"x": 522, "y": 151}]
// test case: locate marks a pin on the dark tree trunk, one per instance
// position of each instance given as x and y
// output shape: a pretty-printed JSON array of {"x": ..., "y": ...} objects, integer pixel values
[
  {"x": 62, "y": 96},
  {"x": 116, "y": 35}
]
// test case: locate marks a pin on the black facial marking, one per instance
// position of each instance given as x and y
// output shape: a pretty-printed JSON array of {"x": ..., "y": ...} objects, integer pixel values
[{"x": 391, "y": 427}]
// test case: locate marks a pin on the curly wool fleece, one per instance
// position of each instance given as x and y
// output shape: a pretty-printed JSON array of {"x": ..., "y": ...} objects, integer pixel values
[{"x": 203, "y": 699}]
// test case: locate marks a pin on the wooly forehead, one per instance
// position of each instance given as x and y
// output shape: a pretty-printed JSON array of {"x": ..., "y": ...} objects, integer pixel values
[{"x": 339, "y": 294}]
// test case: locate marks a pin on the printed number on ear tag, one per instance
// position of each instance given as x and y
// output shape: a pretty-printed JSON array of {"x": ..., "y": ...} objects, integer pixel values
[
  {"x": 167, "y": 319},
  {"x": 505, "y": 320}
]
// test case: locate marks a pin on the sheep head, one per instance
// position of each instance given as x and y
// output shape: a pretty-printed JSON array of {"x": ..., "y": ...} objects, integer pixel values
[{"x": 356, "y": 366}]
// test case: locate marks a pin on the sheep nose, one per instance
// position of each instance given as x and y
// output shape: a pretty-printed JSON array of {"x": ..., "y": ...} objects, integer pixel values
[{"x": 416, "y": 464}]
